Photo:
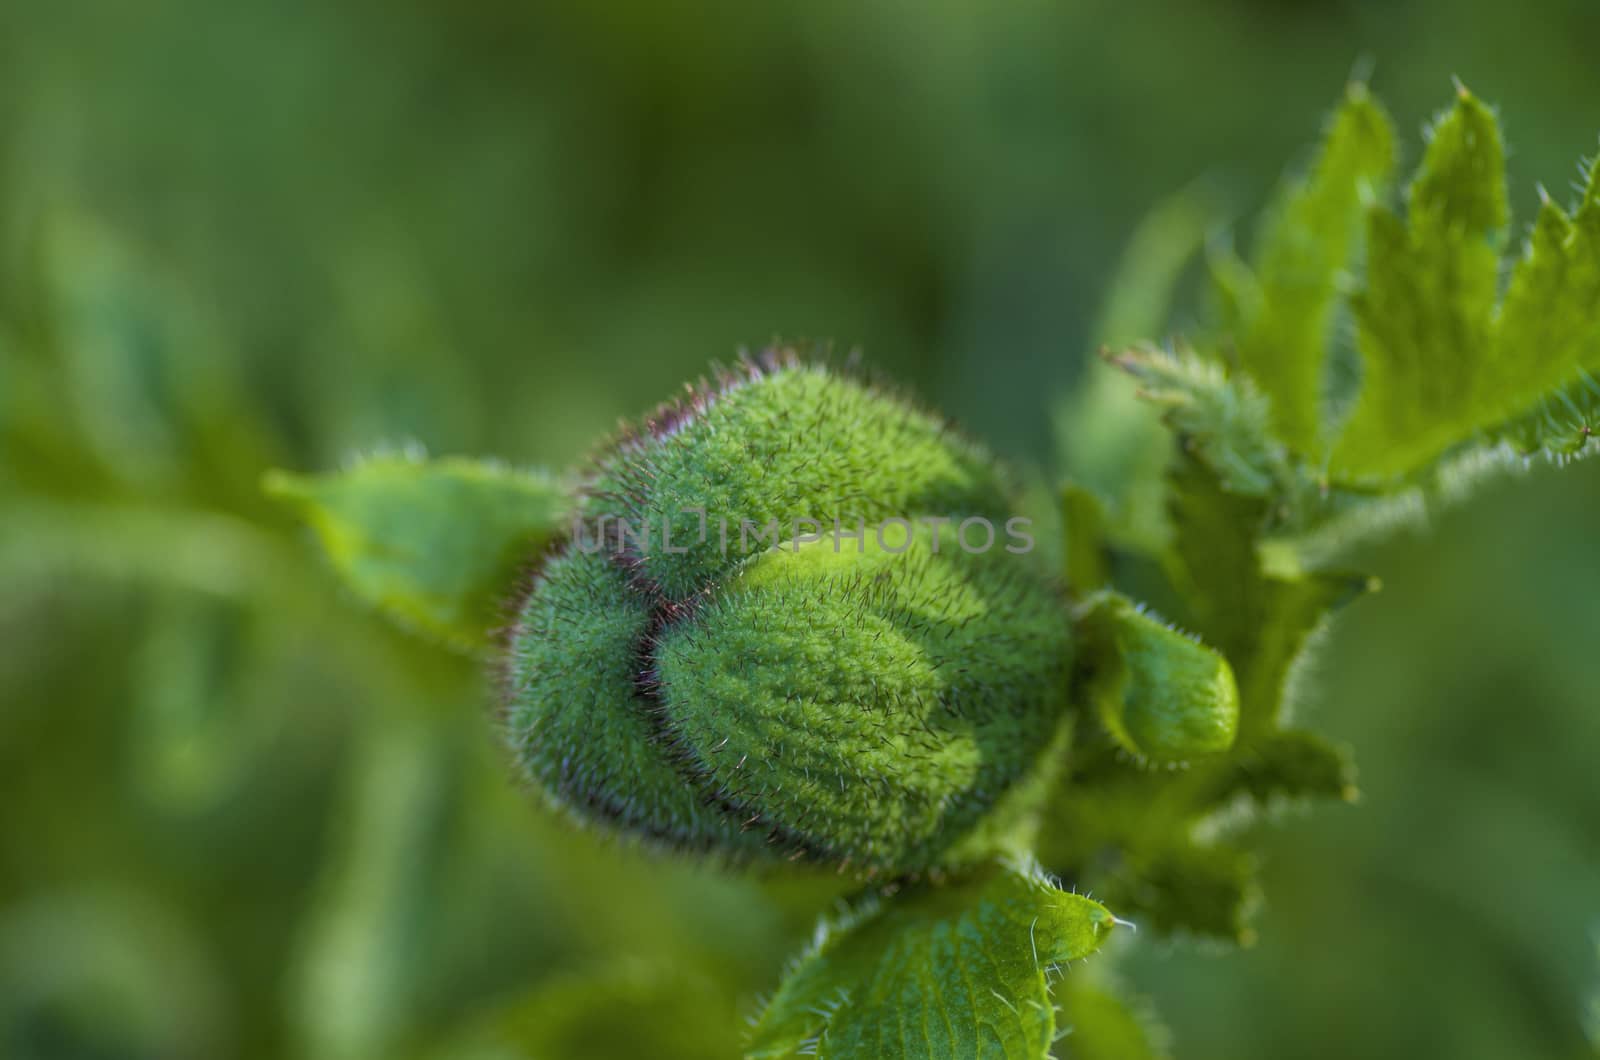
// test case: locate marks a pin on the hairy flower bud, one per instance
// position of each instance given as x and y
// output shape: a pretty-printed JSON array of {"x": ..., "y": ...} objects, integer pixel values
[{"x": 864, "y": 693}]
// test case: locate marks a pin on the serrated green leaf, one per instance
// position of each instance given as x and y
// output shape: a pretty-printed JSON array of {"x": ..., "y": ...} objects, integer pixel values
[
  {"x": 1441, "y": 362},
  {"x": 1551, "y": 314},
  {"x": 1103, "y": 1021},
  {"x": 1444, "y": 360},
  {"x": 1283, "y": 312},
  {"x": 1561, "y": 425},
  {"x": 1549, "y": 328},
  {"x": 434, "y": 544},
  {"x": 959, "y": 971}
]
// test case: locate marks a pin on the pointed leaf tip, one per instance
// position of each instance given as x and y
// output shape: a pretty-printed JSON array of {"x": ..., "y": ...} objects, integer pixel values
[{"x": 1461, "y": 183}]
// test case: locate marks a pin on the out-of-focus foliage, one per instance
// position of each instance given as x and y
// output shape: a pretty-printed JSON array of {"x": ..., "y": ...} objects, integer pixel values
[
  {"x": 236, "y": 236},
  {"x": 1105, "y": 1021},
  {"x": 1592, "y": 1018},
  {"x": 616, "y": 1010}
]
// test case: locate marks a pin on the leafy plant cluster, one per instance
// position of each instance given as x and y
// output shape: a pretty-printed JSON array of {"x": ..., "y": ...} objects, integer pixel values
[
  {"x": 1368, "y": 359},
  {"x": 1365, "y": 363}
]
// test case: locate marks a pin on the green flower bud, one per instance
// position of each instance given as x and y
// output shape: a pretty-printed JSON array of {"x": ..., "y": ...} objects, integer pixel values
[
  {"x": 851, "y": 698},
  {"x": 1161, "y": 694}
]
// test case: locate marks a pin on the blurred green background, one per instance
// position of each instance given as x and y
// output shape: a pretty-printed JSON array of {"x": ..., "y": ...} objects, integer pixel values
[{"x": 241, "y": 818}]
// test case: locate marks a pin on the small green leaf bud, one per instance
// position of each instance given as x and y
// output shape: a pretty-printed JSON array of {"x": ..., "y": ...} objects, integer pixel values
[{"x": 1161, "y": 694}]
